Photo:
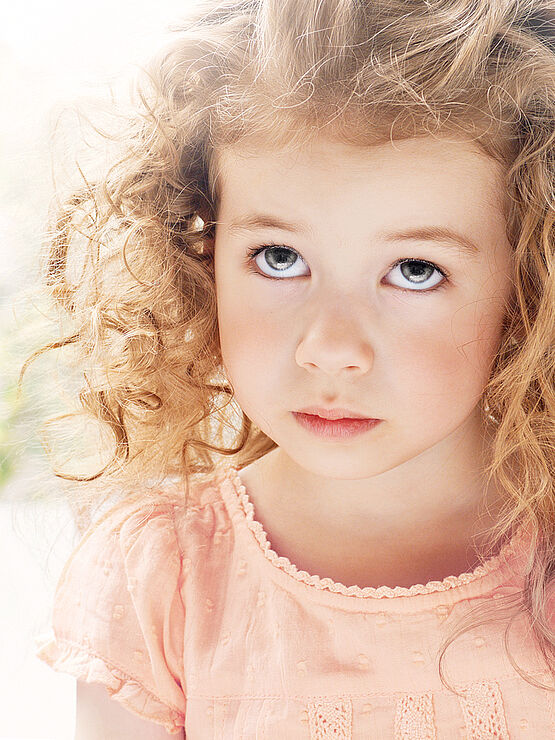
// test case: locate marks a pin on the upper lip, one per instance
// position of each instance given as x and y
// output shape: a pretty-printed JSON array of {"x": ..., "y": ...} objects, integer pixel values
[{"x": 335, "y": 413}]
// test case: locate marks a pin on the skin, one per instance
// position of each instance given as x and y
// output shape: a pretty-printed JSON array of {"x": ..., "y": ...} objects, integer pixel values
[{"x": 402, "y": 503}]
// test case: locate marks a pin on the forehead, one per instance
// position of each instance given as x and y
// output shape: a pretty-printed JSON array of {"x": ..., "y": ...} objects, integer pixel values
[{"x": 425, "y": 169}]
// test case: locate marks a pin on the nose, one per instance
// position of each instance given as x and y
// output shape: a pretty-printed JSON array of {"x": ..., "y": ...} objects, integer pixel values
[{"x": 336, "y": 343}]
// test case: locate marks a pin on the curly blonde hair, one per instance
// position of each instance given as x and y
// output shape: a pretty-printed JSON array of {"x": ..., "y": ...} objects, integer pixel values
[{"x": 129, "y": 256}]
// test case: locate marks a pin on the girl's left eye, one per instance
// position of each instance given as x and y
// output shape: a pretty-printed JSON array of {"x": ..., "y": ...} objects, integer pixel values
[{"x": 415, "y": 272}]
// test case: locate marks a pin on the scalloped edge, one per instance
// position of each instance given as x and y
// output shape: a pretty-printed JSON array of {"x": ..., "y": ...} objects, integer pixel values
[{"x": 232, "y": 474}]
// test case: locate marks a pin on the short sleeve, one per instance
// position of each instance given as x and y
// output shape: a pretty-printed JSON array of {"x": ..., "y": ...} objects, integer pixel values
[{"x": 118, "y": 616}]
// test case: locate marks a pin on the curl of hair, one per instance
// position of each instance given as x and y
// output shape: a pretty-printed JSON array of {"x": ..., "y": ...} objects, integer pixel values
[{"x": 238, "y": 73}]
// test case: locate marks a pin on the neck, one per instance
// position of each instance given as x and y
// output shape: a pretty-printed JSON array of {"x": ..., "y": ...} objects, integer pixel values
[{"x": 439, "y": 497}]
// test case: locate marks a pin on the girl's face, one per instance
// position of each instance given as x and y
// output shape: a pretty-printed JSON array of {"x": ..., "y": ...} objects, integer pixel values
[{"x": 354, "y": 308}]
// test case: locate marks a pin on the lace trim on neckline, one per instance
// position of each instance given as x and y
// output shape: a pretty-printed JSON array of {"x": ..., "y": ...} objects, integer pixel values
[{"x": 284, "y": 564}]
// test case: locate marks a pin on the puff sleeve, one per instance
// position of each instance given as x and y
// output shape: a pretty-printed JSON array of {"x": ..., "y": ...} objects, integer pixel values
[{"x": 118, "y": 615}]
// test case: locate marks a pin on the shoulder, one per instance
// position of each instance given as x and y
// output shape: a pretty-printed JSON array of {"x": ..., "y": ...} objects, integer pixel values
[
  {"x": 159, "y": 524},
  {"x": 164, "y": 511},
  {"x": 140, "y": 517},
  {"x": 167, "y": 501}
]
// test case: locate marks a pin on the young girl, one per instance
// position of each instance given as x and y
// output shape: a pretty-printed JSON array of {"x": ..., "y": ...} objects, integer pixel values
[{"x": 336, "y": 218}]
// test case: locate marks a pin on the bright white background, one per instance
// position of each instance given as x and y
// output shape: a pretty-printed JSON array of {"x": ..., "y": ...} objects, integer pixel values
[{"x": 51, "y": 53}]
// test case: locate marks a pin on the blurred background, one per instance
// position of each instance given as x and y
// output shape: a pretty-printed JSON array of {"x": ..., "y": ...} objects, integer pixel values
[{"x": 52, "y": 56}]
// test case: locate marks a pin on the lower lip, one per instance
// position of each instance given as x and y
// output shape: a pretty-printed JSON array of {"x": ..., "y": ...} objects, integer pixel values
[{"x": 335, "y": 428}]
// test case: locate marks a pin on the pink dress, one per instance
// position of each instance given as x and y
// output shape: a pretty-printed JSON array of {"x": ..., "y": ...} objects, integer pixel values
[{"x": 192, "y": 621}]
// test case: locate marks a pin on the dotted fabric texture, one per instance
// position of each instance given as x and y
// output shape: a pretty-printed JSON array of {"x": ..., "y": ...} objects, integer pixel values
[{"x": 191, "y": 620}]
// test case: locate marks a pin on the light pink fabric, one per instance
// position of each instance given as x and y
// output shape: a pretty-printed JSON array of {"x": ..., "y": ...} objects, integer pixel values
[{"x": 194, "y": 622}]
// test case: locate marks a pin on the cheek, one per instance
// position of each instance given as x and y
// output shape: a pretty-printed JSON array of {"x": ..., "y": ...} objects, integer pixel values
[
  {"x": 249, "y": 337},
  {"x": 253, "y": 351},
  {"x": 451, "y": 353}
]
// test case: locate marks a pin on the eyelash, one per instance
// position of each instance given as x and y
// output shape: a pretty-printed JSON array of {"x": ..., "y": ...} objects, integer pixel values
[{"x": 252, "y": 252}]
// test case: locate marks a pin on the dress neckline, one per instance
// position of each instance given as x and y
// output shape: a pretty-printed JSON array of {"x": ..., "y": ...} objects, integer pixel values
[{"x": 237, "y": 487}]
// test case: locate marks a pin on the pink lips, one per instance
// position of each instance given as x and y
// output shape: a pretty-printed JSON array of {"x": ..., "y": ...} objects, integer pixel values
[{"x": 341, "y": 428}]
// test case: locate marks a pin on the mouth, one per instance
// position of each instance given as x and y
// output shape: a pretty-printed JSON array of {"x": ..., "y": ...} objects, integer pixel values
[{"x": 341, "y": 428}]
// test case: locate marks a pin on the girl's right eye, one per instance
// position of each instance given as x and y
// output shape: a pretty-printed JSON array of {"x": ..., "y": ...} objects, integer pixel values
[{"x": 277, "y": 257}]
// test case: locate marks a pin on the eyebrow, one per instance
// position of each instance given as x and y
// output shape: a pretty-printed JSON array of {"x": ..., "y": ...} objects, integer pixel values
[{"x": 420, "y": 233}]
